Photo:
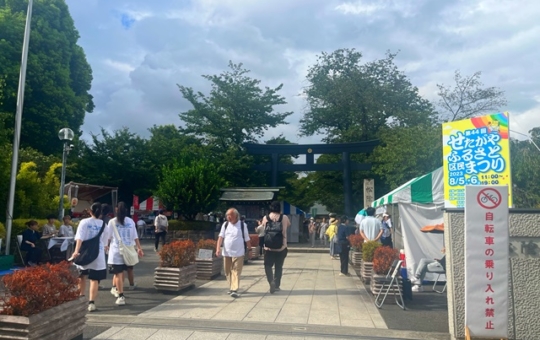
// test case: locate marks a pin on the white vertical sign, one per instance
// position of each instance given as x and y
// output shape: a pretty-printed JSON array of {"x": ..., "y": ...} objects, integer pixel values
[
  {"x": 369, "y": 192},
  {"x": 486, "y": 261}
]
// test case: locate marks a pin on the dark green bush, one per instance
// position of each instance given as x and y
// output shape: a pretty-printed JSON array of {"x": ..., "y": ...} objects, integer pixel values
[{"x": 191, "y": 225}]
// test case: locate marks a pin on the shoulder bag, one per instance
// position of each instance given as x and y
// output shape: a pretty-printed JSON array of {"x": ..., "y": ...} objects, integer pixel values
[
  {"x": 89, "y": 250},
  {"x": 129, "y": 253}
]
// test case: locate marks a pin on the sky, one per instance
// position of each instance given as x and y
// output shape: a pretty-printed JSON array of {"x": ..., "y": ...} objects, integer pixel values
[{"x": 139, "y": 50}]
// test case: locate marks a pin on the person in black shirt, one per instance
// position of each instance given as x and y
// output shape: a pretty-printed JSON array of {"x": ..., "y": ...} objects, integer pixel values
[
  {"x": 30, "y": 243},
  {"x": 343, "y": 233}
]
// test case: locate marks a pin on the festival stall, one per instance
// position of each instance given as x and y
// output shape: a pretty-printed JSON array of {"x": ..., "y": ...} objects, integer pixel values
[{"x": 416, "y": 205}]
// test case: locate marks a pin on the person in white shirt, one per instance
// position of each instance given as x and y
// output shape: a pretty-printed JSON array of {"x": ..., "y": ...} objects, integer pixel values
[
  {"x": 97, "y": 269},
  {"x": 66, "y": 230},
  {"x": 128, "y": 234},
  {"x": 371, "y": 228},
  {"x": 141, "y": 226},
  {"x": 233, "y": 235}
]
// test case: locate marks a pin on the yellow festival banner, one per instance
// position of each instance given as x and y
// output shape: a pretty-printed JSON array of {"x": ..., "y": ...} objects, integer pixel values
[{"x": 476, "y": 151}]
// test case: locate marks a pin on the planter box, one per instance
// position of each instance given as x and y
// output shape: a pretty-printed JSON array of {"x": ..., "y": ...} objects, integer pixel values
[
  {"x": 254, "y": 255},
  {"x": 377, "y": 283},
  {"x": 365, "y": 271},
  {"x": 175, "y": 279},
  {"x": 356, "y": 260},
  {"x": 66, "y": 321},
  {"x": 207, "y": 269}
]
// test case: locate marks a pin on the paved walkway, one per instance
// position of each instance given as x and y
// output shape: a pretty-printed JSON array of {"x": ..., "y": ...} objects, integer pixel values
[{"x": 314, "y": 302}]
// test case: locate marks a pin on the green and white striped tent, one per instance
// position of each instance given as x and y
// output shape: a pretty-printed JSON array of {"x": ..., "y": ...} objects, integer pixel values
[{"x": 424, "y": 189}]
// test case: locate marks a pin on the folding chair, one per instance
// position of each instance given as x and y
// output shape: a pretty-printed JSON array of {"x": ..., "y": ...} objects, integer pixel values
[
  {"x": 19, "y": 242},
  {"x": 393, "y": 282},
  {"x": 439, "y": 273}
]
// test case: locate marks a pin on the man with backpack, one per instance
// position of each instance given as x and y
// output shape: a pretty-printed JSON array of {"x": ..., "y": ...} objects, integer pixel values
[
  {"x": 234, "y": 237},
  {"x": 275, "y": 244},
  {"x": 161, "y": 223}
]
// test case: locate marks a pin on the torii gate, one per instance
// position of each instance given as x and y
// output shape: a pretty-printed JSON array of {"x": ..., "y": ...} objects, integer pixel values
[{"x": 310, "y": 150}]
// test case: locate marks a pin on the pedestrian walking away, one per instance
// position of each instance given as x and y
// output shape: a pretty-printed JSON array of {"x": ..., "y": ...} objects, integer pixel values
[
  {"x": 232, "y": 244},
  {"x": 121, "y": 229},
  {"x": 275, "y": 245},
  {"x": 260, "y": 231},
  {"x": 96, "y": 270},
  {"x": 162, "y": 225}
]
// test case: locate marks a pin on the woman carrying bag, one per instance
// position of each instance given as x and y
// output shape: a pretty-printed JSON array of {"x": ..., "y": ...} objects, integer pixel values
[{"x": 122, "y": 253}]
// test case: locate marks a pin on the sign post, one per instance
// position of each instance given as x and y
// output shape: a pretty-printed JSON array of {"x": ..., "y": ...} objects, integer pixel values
[
  {"x": 369, "y": 192},
  {"x": 486, "y": 261}
]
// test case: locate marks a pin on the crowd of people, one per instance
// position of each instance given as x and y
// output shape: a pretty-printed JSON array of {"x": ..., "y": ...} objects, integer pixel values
[{"x": 233, "y": 244}]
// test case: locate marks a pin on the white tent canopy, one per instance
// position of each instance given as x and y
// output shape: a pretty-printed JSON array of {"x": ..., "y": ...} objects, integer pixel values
[{"x": 420, "y": 202}]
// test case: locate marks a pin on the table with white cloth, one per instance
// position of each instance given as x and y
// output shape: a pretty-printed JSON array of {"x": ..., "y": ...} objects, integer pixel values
[{"x": 64, "y": 242}]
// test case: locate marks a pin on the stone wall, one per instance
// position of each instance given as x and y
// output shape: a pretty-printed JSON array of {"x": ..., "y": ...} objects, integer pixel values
[{"x": 524, "y": 288}]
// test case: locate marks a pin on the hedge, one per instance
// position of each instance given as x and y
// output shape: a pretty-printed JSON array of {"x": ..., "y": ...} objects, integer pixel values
[{"x": 191, "y": 225}]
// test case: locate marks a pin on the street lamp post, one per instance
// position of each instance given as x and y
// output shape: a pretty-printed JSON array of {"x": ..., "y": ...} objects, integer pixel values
[{"x": 65, "y": 135}]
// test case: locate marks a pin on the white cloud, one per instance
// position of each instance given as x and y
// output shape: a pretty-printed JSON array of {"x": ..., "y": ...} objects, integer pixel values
[{"x": 168, "y": 42}]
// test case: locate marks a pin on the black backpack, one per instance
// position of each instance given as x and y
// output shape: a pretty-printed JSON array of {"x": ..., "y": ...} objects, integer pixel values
[{"x": 273, "y": 233}]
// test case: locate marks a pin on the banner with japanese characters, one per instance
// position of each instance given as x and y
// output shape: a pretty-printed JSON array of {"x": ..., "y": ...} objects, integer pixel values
[
  {"x": 476, "y": 151},
  {"x": 486, "y": 261}
]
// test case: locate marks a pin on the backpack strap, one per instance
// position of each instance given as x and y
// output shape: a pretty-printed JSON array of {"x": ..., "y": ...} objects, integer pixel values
[{"x": 280, "y": 217}]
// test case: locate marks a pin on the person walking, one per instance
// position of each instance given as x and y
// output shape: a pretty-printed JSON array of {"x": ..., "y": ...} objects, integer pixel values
[
  {"x": 162, "y": 225},
  {"x": 232, "y": 244},
  {"x": 322, "y": 231},
  {"x": 275, "y": 245},
  {"x": 96, "y": 270},
  {"x": 260, "y": 231},
  {"x": 127, "y": 234}
]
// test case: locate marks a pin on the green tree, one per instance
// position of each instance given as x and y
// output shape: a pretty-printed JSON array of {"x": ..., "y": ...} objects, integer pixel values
[
  {"x": 525, "y": 162},
  {"x": 407, "y": 152},
  {"x": 468, "y": 98},
  {"x": 190, "y": 188},
  {"x": 58, "y": 75},
  {"x": 236, "y": 111},
  {"x": 167, "y": 143},
  {"x": 119, "y": 160},
  {"x": 349, "y": 101},
  {"x": 36, "y": 195}
]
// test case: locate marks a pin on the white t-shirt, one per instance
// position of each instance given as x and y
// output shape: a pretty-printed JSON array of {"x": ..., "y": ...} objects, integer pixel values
[
  {"x": 233, "y": 245},
  {"x": 65, "y": 231},
  {"x": 127, "y": 232},
  {"x": 371, "y": 227},
  {"x": 88, "y": 228},
  {"x": 141, "y": 224}
]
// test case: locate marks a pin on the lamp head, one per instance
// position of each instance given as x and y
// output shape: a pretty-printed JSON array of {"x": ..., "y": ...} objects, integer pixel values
[{"x": 66, "y": 134}]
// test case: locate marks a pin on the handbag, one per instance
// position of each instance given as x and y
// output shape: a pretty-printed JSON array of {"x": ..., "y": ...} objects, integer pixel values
[
  {"x": 129, "y": 253},
  {"x": 89, "y": 250}
]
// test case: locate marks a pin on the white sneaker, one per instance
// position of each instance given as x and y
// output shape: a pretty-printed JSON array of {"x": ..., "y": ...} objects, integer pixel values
[
  {"x": 417, "y": 288},
  {"x": 91, "y": 307},
  {"x": 121, "y": 301},
  {"x": 132, "y": 287},
  {"x": 114, "y": 292},
  {"x": 416, "y": 281}
]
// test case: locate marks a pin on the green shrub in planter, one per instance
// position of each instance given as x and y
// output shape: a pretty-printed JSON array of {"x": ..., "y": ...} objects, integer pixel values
[{"x": 368, "y": 250}]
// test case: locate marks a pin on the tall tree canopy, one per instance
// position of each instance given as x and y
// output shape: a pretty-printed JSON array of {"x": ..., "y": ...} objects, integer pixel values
[
  {"x": 58, "y": 76},
  {"x": 468, "y": 98},
  {"x": 525, "y": 162},
  {"x": 349, "y": 101},
  {"x": 236, "y": 111}
]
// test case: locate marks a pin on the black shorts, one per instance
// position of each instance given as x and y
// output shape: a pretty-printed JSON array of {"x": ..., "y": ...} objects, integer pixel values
[
  {"x": 94, "y": 275},
  {"x": 118, "y": 268}
]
